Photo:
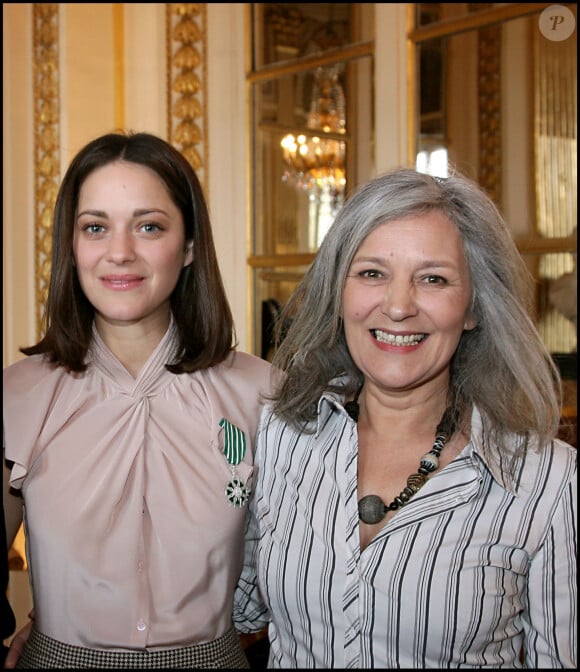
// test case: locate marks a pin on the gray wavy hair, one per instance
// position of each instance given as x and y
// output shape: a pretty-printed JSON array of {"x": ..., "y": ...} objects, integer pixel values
[{"x": 502, "y": 366}]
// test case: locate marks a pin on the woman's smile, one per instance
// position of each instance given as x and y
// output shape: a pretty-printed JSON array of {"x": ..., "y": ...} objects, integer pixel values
[
  {"x": 406, "y": 301},
  {"x": 129, "y": 244}
]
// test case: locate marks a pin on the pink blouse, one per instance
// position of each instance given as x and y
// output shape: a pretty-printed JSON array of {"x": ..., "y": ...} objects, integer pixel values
[{"x": 131, "y": 540}]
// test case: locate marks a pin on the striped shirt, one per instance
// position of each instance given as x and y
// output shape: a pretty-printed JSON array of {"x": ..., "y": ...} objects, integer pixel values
[{"x": 467, "y": 574}]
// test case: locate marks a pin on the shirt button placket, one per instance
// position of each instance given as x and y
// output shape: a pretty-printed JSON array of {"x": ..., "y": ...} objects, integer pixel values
[{"x": 142, "y": 624}]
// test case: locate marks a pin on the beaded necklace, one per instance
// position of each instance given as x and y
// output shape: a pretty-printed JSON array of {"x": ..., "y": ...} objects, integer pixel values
[{"x": 372, "y": 509}]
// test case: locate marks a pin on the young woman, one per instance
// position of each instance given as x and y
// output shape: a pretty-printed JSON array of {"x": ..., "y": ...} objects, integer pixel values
[
  {"x": 413, "y": 508},
  {"x": 129, "y": 428}
]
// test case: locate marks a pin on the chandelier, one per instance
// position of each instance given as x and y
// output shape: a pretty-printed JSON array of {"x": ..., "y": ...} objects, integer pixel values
[{"x": 315, "y": 160}]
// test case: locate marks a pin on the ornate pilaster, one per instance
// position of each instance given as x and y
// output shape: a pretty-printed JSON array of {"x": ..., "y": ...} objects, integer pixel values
[
  {"x": 46, "y": 99},
  {"x": 489, "y": 62},
  {"x": 186, "y": 87}
]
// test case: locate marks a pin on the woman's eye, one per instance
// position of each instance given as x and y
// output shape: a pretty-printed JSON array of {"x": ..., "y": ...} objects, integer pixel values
[
  {"x": 150, "y": 227},
  {"x": 435, "y": 280},
  {"x": 370, "y": 273},
  {"x": 93, "y": 228}
]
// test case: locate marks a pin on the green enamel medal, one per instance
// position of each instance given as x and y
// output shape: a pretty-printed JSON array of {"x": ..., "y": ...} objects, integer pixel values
[{"x": 236, "y": 491}]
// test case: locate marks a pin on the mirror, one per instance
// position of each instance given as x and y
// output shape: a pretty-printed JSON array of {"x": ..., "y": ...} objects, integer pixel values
[
  {"x": 498, "y": 102},
  {"x": 312, "y": 135}
]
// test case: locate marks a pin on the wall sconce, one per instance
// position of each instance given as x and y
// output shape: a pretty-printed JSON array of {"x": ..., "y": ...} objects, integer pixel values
[{"x": 316, "y": 161}]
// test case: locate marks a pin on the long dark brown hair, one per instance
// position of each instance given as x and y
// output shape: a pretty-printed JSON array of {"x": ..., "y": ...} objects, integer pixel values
[{"x": 199, "y": 305}]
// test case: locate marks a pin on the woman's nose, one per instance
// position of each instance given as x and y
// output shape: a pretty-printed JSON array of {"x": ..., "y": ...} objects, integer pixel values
[
  {"x": 121, "y": 248},
  {"x": 399, "y": 300}
]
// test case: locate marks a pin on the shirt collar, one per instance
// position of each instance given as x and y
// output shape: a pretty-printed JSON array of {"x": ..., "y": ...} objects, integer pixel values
[
  {"x": 331, "y": 402},
  {"x": 479, "y": 439}
]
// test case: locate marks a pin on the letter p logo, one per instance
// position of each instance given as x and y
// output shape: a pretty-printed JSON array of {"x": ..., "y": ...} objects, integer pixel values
[{"x": 557, "y": 23}]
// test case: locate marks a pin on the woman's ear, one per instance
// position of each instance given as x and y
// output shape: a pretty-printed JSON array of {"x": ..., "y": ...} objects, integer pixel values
[
  {"x": 470, "y": 317},
  {"x": 470, "y": 321},
  {"x": 188, "y": 253}
]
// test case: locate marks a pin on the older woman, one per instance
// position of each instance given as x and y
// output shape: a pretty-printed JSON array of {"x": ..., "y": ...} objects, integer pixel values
[{"x": 413, "y": 507}]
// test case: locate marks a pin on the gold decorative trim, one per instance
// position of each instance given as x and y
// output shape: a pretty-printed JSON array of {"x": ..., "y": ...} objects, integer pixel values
[
  {"x": 489, "y": 104},
  {"x": 311, "y": 62},
  {"x": 478, "y": 19},
  {"x": 186, "y": 25},
  {"x": 46, "y": 103}
]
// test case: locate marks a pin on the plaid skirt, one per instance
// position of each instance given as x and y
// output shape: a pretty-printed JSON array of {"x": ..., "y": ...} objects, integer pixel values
[{"x": 42, "y": 652}]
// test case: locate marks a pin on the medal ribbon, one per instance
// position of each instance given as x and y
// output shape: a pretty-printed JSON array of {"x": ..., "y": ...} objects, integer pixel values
[
  {"x": 237, "y": 493},
  {"x": 234, "y": 442}
]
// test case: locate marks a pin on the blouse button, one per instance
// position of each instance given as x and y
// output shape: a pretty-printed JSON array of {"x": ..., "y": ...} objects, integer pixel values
[
  {"x": 140, "y": 566},
  {"x": 141, "y": 625}
]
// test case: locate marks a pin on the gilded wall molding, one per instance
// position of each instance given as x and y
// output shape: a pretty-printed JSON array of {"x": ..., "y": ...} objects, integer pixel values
[
  {"x": 186, "y": 25},
  {"x": 46, "y": 101},
  {"x": 489, "y": 104}
]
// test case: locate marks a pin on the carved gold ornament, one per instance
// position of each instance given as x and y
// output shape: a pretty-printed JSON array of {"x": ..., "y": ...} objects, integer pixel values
[
  {"x": 46, "y": 145},
  {"x": 187, "y": 67}
]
